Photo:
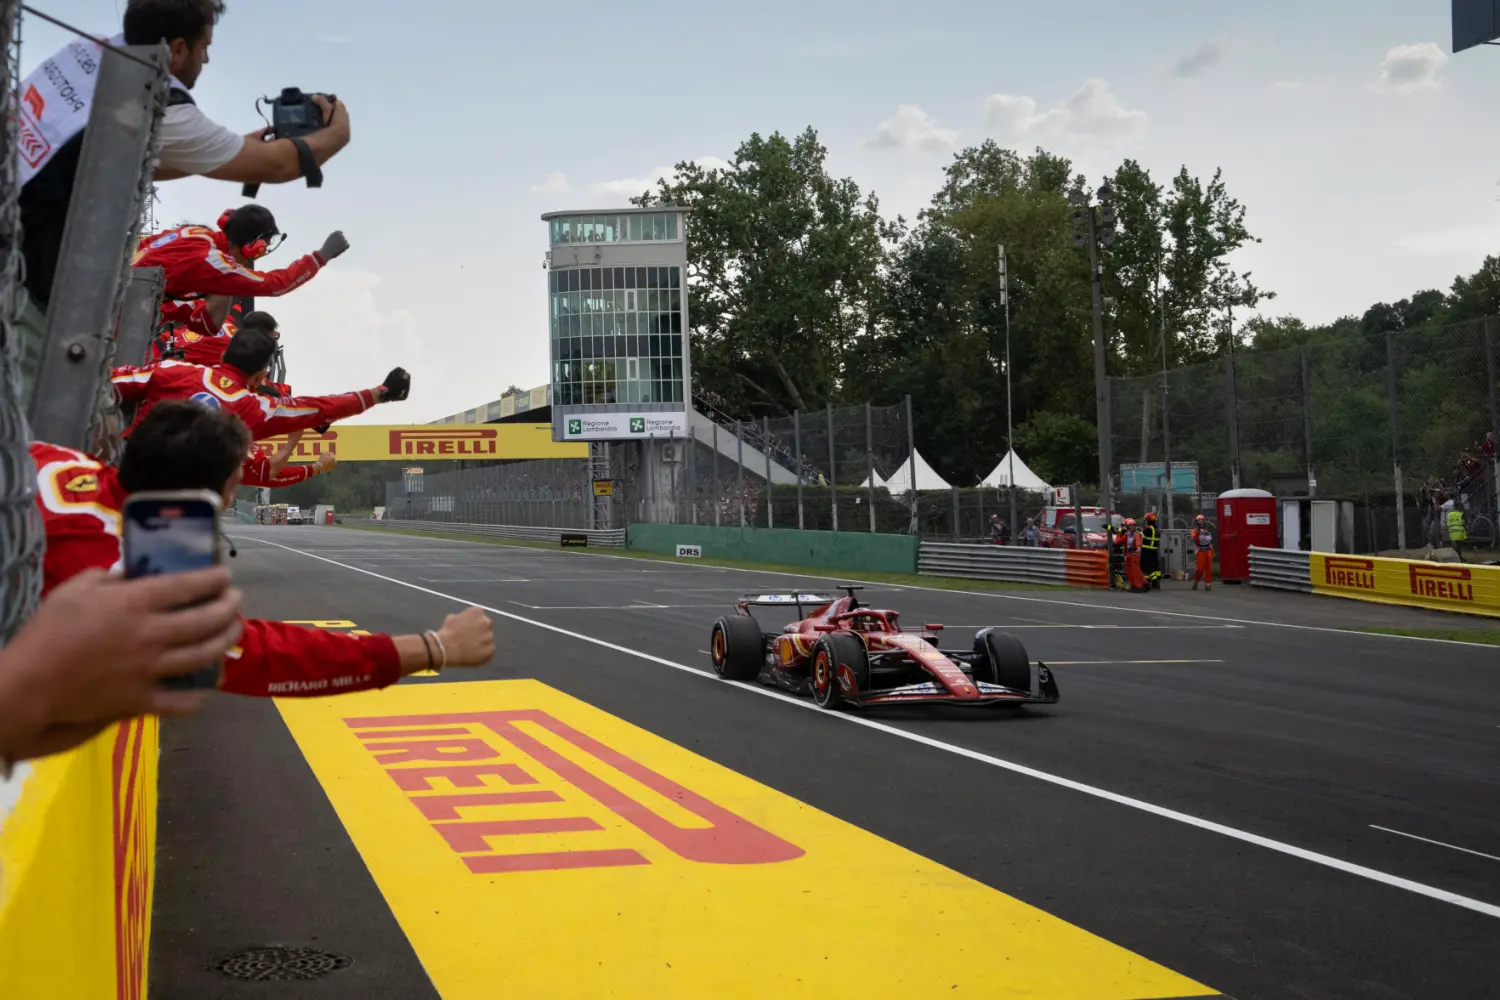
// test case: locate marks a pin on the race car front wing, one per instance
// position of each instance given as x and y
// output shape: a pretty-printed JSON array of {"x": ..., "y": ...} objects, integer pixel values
[{"x": 1044, "y": 692}]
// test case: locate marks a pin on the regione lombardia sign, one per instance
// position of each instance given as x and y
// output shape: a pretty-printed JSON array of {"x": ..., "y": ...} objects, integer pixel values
[{"x": 619, "y": 426}]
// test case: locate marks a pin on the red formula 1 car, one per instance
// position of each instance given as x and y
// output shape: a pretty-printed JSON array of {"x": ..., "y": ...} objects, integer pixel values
[{"x": 842, "y": 652}]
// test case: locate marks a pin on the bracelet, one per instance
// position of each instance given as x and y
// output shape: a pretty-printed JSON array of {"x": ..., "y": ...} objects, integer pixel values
[
  {"x": 426, "y": 646},
  {"x": 441, "y": 648}
]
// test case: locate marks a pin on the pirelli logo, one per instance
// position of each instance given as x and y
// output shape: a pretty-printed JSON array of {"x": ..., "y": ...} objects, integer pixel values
[
  {"x": 443, "y": 441},
  {"x": 516, "y": 761},
  {"x": 1349, "y": 573},
  {"x": 309, "y": 447},
  {"x": 1442, "y": 583}
]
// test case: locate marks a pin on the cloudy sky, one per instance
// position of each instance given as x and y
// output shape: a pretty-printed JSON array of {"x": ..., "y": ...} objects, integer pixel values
[{"x": 1366, "y": 153}]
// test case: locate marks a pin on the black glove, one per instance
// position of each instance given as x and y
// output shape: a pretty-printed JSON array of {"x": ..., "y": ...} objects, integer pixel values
[
  {"x": 322, "y": 428},
  {"x": 396, "y": 385},
  {"x": 334, "y": 245},
  {"x": 266, "y": 390}
]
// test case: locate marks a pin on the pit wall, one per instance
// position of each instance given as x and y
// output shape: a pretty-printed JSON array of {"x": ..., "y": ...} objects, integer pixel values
[
  {"x": 77, "y": 864},
  {"x": 835, "y": 550}
]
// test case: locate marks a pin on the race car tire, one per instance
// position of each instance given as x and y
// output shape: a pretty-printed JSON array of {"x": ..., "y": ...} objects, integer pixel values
[
  {"x": 831, "y": 657},
  {"x": 737, "y": 649},
  {"x": 999, "y": 658}
]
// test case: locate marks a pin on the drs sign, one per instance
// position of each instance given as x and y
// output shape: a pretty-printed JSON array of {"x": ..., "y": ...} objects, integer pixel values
[{"x": 689, "y": 552}]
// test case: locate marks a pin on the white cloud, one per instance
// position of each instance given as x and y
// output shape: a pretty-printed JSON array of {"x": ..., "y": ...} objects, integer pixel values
[
  {"x": 337, "y": 338},
  {"x": 630, "y": 187},
  {"x": 912, "y": 128},
  {"x": 1093, "y": 114},
  {"x": 1408, "y": 69},
  {"x": 1201, "y": 58},
  {"x": 1287, "y": 85},
  {"x": 555, "y": 183},
  {"x": 1468, "y": 242}
]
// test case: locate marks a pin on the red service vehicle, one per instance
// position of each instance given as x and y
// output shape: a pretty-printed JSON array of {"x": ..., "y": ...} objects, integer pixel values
[
  {"x": 842, "y": 652},
  {"x": 1246, "y": 518},
  {"x": 1056, "y": 528}
]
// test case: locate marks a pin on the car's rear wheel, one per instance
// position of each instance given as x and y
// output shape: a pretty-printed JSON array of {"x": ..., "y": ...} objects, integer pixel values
[
  {"x": 999, "y": 658},
  {"x": 737, "y": 648},
  {"x": 833, "y": 657}
]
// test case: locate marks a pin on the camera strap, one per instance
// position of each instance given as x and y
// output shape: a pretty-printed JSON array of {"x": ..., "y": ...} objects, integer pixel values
[{"x": 307, "y": 165}]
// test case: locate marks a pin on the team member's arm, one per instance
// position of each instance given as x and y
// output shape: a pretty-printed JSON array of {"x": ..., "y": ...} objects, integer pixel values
[
  {"x": 278, "y": 660},
  {"x": 263, "y": 470},
  {"x": 300, "y": 413},
  {"x": 132, "y": 382}
]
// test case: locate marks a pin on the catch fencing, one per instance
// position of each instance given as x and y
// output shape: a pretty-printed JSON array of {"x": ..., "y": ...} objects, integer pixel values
[
  {"x": 607, "y": 539},
  {"x": 548, "y": 493},
  {"x": 1373, "y": 419}
]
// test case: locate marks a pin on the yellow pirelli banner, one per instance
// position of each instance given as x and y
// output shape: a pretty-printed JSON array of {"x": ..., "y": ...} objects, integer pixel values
[
  {"x": 433, "y": 442},
  {"x": 1471, "y": 590}
]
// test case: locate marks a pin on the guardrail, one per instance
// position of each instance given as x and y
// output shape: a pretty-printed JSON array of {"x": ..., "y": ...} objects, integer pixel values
[
  {"x": 607, "y": 539},
  {"x": 1016, "y": 564},
  {"x": 1281, "y": 569}
]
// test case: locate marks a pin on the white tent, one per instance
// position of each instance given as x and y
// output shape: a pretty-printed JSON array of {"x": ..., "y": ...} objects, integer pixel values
[
  {"x": 1025, "y": 478},
  {"x": 900, "y": 481},
  {"x": 873, "y": 479}
]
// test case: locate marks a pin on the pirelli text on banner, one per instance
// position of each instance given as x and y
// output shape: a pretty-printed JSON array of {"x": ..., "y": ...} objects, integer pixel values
[
  {"x": 1439, "y": 586},
  {"x": 385, "y": 442}
]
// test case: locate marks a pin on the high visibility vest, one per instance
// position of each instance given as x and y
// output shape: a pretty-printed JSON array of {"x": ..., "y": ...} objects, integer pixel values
[
  {"x": 1456, "y": 530},
  {"x": 1149, "y": 536}
]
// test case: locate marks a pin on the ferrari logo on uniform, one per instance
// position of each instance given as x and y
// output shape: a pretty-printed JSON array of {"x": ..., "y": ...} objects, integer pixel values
[
  {"x": 86, "y": 483},
  {"x": 225, "y": 382}
]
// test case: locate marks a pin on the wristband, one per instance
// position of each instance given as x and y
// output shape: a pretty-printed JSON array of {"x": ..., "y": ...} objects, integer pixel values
[
  {"x": 428, "y": 648},
  {"x": 317, "y": 255},
  {"x": 441, "y": 649}
]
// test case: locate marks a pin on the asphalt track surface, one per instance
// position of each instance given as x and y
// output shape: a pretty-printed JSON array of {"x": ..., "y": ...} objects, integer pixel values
[{"x": 1272, "y": 811}]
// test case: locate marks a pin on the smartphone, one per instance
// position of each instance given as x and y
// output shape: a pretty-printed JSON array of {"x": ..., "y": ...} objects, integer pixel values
[{"x": 173, "y": 532}]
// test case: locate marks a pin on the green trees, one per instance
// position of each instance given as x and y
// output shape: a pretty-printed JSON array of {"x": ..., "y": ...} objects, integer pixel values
[{"x": 801, "y": 294}]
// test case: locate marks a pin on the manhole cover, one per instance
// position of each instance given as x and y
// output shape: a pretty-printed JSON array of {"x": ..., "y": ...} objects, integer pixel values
[{"x": 277, "y": 963}]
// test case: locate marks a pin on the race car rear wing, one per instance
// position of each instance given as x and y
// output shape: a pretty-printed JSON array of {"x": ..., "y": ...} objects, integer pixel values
[{"x": 809, "y": 602}]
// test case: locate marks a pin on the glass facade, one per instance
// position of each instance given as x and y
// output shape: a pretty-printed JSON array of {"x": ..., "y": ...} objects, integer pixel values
[
  {"x": 616, "y": 335},
  {"x": 639, "y": 228}
]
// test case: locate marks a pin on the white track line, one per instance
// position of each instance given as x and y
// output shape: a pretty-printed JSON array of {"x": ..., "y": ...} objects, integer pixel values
[
  {"x": 1349, "y": 868},
  {"x": 1005, "y": 596},
  {"x": 1425, "y": 840}
]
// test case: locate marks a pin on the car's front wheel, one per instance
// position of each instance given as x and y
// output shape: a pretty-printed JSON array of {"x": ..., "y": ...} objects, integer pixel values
[
  {"x": 999, "y": 658},
  {"x": 834, "y": 657}
]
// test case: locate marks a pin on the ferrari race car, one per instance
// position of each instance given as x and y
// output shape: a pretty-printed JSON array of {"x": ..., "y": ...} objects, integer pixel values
[{"x": 842, "y": 652}]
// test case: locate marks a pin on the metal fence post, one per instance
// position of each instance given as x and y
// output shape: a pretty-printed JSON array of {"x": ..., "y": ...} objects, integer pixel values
[
  {"x": 797, "y": 458},
  {"x": 718, "y": 499},
  {"x": 138, "y": 314},
  {"x": 1489, "y": 365},
  {"x": 870, "y": 462},
  {"x": 1390, "y": 388},
  {"x": 833, "y": 478},
  {"x": 1307, "y": 447},
  {"x": 956, "y": 534},
  {"x": 911, "y": 458},
  {"x": 739, "y": 467},
  {"x": 765, "y": 444},
  {"x": 102, "y": 224}
]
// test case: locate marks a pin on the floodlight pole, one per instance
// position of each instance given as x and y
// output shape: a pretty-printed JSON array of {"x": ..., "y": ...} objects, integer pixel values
[{"x": 1166, "y": 433}]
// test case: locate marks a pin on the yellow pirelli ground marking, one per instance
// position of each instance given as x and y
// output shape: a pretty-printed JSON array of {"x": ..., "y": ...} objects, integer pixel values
[{"x": 531, "y": 845}]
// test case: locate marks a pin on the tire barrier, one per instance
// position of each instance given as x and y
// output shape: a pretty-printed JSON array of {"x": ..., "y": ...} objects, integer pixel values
[
  {"x": 1015, "y": 564},
  {"x": 1465, "y": 589},
  {"x": 606, "y": 539},
  {"x": 79, "y": 859}
]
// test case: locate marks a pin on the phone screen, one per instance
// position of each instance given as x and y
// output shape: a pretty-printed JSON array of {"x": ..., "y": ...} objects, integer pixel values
[{"x": 173, "y": 534}]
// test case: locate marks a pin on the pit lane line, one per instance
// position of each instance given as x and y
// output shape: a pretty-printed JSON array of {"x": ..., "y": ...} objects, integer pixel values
[
  {"x": 1327, "y": 861},
  {"x": 965, "y": 593}
]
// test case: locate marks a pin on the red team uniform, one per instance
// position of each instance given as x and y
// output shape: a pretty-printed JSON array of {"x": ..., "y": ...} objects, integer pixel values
[
  {"x": 225, "y": 388},
  {"x": 190, "y": 332},
  {"x": 197, "y": 262},
  {"x": 80, "y": 501},
  {"x": 257, "y": 471}
]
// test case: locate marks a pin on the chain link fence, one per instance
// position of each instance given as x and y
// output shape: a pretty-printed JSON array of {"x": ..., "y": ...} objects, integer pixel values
[
  {"x": 1382, "y": 420},
  {"x": 550, "y": 493}
]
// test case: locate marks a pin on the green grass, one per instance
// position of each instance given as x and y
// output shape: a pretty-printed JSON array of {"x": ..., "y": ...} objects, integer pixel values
[
  {"x": 1486, "y": 637},
  {"x": 864, "y": 576}
]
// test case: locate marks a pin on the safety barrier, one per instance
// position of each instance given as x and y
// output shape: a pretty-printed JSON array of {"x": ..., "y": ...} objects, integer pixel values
[
  {"x": 79, "y": 858},
  {"x": 1281, "y": 569},
  {"x": 605, "y": 539},
  {"x": 856, "y": 551},
  {"x": 1472, "y": 590},
  {"x": 1015, "y": 563}
]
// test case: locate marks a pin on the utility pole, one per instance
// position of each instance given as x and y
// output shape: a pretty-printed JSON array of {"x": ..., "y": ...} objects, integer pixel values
[
  {"x": 1234, "y": 407},
  {"x": 1093, "y": 228},
  {"x": 1010, "y": 444},
  {"x": 1166, "y": 432}
]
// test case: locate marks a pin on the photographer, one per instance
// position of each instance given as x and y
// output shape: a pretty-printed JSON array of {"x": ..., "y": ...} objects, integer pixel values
[
  {"x": 55, "y": 111},
  {"x": 184, "y": 446}
]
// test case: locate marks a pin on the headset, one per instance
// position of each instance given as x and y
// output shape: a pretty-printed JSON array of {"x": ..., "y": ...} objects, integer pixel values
[{"x": 257, "y": 248}]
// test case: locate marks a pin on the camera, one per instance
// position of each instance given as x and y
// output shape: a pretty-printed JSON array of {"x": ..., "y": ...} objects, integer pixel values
[{"x": 294, "y": 113}]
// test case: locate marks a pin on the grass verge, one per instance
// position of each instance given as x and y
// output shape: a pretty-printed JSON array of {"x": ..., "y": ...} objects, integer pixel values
[
  {"x": 1484, "y": 637},
  {"x": 863, "y": 576}
]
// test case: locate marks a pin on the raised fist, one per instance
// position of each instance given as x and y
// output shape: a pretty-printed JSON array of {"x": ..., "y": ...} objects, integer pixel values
[
  {"x": 334, "y": 245},
  {"x": 396, "y": 386}
]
